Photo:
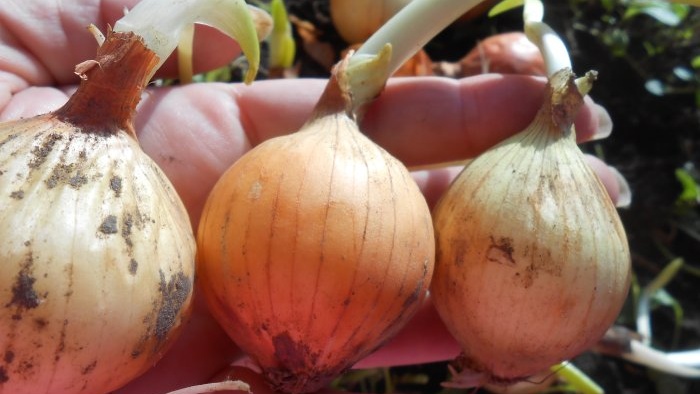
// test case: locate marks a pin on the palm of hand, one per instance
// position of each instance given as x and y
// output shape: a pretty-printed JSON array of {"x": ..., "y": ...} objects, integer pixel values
[{"x": 195, "y": 132}]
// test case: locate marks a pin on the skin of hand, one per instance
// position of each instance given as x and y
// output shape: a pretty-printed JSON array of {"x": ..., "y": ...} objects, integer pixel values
[{"x": 195, "y": 132}]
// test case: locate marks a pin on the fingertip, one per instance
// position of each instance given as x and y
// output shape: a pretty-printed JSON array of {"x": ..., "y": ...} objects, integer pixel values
[
  {"x": 624, "y": 198},
  {"x": 593, "y": 122},
  {"x": 31, "y": 102},
  {"x": 605, "y": 123},
  {"x": 614, "y": 182}
]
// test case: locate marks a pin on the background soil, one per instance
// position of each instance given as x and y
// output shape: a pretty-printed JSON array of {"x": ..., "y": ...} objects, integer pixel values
[{"x": 654, "y": 135}]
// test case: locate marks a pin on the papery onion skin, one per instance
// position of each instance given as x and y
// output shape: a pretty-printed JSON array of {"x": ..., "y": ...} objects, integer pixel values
[
  {"x": 532, "y": 260},
  {"x": 313, "y": 250},
  {"x": 97, "y": 251}
]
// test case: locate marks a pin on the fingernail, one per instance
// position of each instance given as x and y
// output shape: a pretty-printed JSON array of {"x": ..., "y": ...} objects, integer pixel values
[
  {"x": 624, "y": 197},
  {"x": 605, "y": 124}
]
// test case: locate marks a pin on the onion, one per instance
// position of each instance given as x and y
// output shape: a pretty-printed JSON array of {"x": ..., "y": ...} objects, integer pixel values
[
  {"x": 316, "y": 247},
  {"x": 532, "y": 261},
  {"x": 505, "y": 53},
  {"x": 97, "y": 251},
  {"x": 357, "y": 20}
]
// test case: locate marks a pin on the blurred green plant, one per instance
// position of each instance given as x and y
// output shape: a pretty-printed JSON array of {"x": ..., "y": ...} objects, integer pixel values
[
  {"x": 281, "y": 40},
  {"x": 659, "y": 39}
]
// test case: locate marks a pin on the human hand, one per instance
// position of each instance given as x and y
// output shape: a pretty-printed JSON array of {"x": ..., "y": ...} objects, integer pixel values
[{"x": 195, "y": 132}]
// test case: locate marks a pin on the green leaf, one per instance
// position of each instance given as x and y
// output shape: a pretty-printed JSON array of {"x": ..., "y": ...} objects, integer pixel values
[
  {"x": 695, "y": 3},
  {"x": 690, "y": 189},
  {"x": 664, "y": 12},
  {"x": 504, "y": 6},
  {"x": 282, "y": 45},
  {"x": 577, "y": 378},
  {"x": 695, "y": 62},
  {"x": 664, "y": 298}
]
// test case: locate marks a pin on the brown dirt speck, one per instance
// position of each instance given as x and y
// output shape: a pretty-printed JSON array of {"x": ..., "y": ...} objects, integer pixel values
[
  {"x": 290, "y": 352},
  {"x": 115, "y": 183},
  {"x": 501, "y": 251},
  {"x": 174, "y": 294},
  {"x": 9, "y": 356},
  {"x": 23, "y": 294},
  {"x": 64, "y": 174},
  {"x": 109, "y": 225},
  {"x": 133, "y": 266},
  {"x": 297, "y": 371},
  {"x": 40, "y": 323},
  {"x": 77, "y": 180},
  {"x": 89, "y": 368},
  {"x": 128, "y": 224},
  {"x": 42, "y": 151}
]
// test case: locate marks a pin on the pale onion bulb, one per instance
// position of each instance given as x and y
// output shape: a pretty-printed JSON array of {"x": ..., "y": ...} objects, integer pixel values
[
  {"x": 315, "y": 248},
  {"x": 97, "y": 251},
  {"x": 532, "y": 260}
]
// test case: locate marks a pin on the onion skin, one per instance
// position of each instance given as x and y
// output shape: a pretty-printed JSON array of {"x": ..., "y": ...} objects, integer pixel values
[
  {"x": 314, "y": 249},
  {"x": 97, "y": 252},
  {"x": 532, "y": 260}
]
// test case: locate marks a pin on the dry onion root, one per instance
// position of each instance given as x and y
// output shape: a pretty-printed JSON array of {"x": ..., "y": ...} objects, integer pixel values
[
  {"x": 532, "y": 263},
  {"x": 97, "y": 251}
]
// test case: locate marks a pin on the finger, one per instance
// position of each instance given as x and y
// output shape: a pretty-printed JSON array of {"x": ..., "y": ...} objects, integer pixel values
[
  {"x": 612, "y": 179},
  {"x": 195, "y": 132},
  {"x": 428, "y": 120},
  {"x": 32, "y": 101},
  {"x": 425, "y": 339},
  {"x": 419, "y": 120}
]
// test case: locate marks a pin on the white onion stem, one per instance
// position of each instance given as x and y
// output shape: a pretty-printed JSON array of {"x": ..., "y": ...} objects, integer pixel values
[
  {"x": 410, "y": 29},
  {"x": 645, "y": 355},
  {"x": 553, "y": 49},
  {"x": 690, "y": 358},
  {"x": 161, "y": 23},
  {"x": 185, "y": 46},
  {"x": 644, "y": 304},
  {"x": 99, "y": 37}
]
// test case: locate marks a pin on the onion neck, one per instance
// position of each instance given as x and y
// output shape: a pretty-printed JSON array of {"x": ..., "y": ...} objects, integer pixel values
[
  {"x": 111, "y": 85},
  {"x": 563, "y": 100}
]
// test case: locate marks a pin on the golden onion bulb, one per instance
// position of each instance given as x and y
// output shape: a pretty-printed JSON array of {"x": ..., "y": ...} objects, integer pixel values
[{"x": 314, "y": 249}]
